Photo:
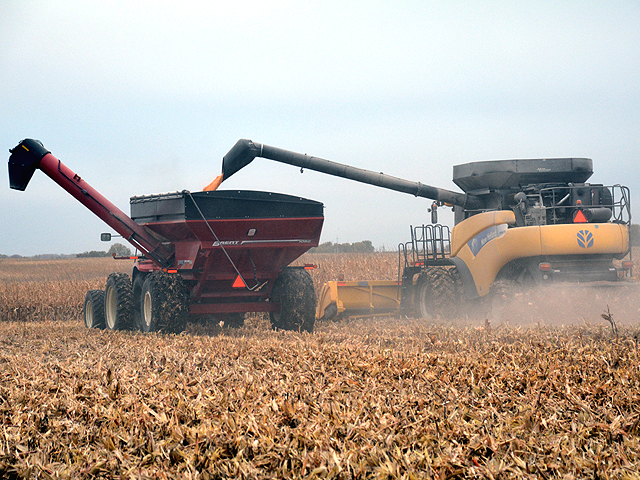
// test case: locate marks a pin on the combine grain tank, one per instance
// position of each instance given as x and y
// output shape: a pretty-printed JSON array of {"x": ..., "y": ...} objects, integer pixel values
[{"x": 217, "y": 254}]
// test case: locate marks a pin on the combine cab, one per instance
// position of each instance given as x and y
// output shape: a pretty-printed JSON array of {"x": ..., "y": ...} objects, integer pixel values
[{"x": 530, "y": 221}]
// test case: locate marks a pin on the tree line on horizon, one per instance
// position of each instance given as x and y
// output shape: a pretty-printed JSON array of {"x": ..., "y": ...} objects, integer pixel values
[
  {"x": 358, "y": 247},
  {"x": 116, "y": 249}
]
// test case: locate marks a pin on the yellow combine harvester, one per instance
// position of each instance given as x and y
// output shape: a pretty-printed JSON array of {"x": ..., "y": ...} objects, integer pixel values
[{"x": 531, "y": 221}]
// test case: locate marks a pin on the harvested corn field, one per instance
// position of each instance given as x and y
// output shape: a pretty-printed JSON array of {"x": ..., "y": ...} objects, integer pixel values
[{"x": 379, "y": 398}]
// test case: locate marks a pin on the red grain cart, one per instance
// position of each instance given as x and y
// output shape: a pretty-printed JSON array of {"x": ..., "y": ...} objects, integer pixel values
[{"x": 215, "y": 253}]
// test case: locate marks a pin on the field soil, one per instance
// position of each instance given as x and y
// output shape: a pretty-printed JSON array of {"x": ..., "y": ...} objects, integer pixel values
[{"x": 523, "y": 394}]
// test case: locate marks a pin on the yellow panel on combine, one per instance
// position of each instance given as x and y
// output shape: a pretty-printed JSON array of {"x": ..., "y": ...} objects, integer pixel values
[{"x": 358, "y": 298}]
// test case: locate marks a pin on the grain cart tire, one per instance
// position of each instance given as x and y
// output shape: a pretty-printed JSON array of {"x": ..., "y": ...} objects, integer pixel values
[
  {"x": 437, "y": 293},
  {"x": 136, "y": 300},
  {"x": 118, "y": 307},
  {"x": 164, "y": 303},
  {"x": 94, "y": 309},
  {"x": 293, "y": 289}
]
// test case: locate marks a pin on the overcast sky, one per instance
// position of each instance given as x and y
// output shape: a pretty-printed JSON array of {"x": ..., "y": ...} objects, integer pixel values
[{"x": 147, "y": 97}]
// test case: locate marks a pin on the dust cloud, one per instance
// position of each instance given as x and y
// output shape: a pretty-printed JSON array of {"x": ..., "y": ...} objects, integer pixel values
[{"x": 562, "y": 304}]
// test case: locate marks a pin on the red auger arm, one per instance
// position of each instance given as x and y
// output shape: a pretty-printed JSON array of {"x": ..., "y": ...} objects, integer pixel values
[{"x": 30, "y": 154}]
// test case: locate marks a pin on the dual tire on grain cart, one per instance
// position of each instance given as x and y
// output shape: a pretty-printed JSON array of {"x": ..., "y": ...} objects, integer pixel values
[
  {"x": 293, "y": 289},
  {"x": 94, "y": 309},
  {"x": 164, "y": 303},
  {"x": 154, "y": 302},
  {"x": 117, "y": 302}
]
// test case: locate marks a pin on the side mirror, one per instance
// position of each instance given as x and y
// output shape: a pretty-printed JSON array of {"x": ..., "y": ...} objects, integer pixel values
[{"x": 105, "y": 237}]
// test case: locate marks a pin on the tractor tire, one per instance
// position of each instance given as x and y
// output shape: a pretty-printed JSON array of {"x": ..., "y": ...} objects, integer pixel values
[
  {"x": 164, "y": 303},
  {"x": 94, "y": 309},
  {"x": 293, "y": 290},
  {"x": 136, "y": 300},
  {"x": 117, "y": 302},
  {"x": 438, "y": 293}
]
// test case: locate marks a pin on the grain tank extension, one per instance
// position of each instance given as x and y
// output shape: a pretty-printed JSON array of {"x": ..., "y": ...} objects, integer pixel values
[{"x": 519, "y": 221}]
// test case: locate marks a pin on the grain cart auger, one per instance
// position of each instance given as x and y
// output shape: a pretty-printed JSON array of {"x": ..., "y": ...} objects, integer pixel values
[
  {"x": 212, "y": 254},
  {"x": 518, "y": 221}
]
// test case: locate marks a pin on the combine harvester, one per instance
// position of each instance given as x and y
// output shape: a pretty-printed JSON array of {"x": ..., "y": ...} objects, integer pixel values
[
  {"x": 210, "y": 253},
  {"x": 532, "y": 221}
]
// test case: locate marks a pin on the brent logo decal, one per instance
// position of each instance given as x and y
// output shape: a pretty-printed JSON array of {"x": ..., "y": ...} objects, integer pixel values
[
  {"x": 218, "y": 243},
  {"x": 585, "y": 239}
]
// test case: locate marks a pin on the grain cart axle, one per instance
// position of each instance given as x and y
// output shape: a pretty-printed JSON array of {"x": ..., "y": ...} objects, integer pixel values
[{"x": 214, "y": 254}]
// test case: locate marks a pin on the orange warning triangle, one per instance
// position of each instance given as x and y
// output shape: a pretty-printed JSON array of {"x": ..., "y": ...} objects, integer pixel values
[
  {"x": 580, "y": 218},
  {"x": 238, "y": 283}
]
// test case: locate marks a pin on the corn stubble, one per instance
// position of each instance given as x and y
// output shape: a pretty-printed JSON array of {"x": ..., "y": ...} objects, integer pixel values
[{"x": 376, "y": 398}]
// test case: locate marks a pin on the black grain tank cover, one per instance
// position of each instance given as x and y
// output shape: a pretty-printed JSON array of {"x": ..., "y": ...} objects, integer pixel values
[
  {"x": 507, "y": 174},
  {"x": 221, "y": 204}
]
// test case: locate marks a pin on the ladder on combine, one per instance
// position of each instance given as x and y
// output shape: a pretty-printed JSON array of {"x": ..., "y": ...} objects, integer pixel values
[{"x": 430, "y": 245}]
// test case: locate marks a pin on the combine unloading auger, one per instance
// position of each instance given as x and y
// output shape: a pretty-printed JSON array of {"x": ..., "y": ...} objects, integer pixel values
[{"x": 245, "y": 151}]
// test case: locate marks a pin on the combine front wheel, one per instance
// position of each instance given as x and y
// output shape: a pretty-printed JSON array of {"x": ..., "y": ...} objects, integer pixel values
[
  {"x": 164, "y": 303},
  {"x": 293, "y": 289},
  {"x": 94, "y": 309},
  {"x": 117, "y": 302},
  {"x": 437, "y": 293}
]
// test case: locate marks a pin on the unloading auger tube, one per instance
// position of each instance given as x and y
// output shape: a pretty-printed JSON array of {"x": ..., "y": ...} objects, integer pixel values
[
  {"x": 30, "y": 154},
  {"x": 244, "y": 151}
]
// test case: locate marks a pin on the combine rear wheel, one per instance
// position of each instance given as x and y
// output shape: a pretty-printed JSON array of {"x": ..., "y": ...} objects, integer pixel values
[
  {"x": 293, "y": 289},
  {"x": 94, "y": 309},
  {"x": 117, "y": 302},
  {"x": 164, "y": 303},
  {"x": 438, "y": 293}
]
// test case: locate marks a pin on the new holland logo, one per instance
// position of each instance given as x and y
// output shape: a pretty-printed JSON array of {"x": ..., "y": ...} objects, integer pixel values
[{"x": 585, "y": 239}]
